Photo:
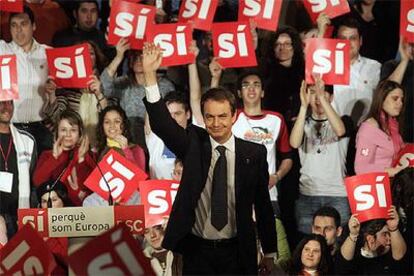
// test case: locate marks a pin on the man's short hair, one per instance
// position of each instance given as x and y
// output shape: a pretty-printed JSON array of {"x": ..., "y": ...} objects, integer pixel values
[
  {"x": 219, "y": 94},
  {"x": 79, "y": 3},
  {"x": 329, "y": 88},
  {"x": 246, "y": 73},
  {"x": 328, "y": 211},
  {"x": 350, "y": 22},
  {"x": 177, "y": 97},
  {"x": 26, "y": 10},
  {"x": 372, "y": 227}
]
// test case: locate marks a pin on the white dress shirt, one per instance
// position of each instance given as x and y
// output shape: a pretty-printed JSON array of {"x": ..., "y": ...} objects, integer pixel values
[
  {"x": 365, "y": 75},
  {"x": 32, "y": 73}
]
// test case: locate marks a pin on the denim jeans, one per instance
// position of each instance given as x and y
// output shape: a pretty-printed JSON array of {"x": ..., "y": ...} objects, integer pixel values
[{"x": 306, "y": 206}]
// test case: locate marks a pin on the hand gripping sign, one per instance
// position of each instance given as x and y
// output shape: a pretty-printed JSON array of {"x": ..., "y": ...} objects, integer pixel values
[
  {"x": 70, "y": 67},
  {"x": 174, "y": 41},
  {"x": 407, "y": 20},
  {"x": 329, "y": 58},
  {"x": 26, "y": 254},
  {"x": 122, "y": 177},
  {"x": 200, "y": 12},
  {"x": 264, "y": 12},
  {"x": 115, "y": 252},
  {"x": 130, "y": 20},
  {"x": 11, "y": 5},
  {"x": 158, "y": 197},
  {"x": 9, "y": 89},
  {"x": 233, "y": 44},
  {"x": 369, "y": 195},
  {"x": 332, "y": 8},
  {"x": 405, "y": 157}
]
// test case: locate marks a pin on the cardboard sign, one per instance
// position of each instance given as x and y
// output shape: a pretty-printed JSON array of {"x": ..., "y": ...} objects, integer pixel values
[
  {"x": 9, "y": 89},
  {"x": 233, "y": 44},
  {"x": 130, "y": 20},
  {"x": 407, "y": 20},
  {"x": 115, "y": 252},
  {"x": 158, "y": 197},
  {"x": 121, "y": 175},
  {"x": 329, "y": 57},
  {"x": 369, "y": 195},
  {"x": 81, "y": 221},
  {"x": 26, "y": 254},
  {"x": 174, "y": 40},
  {"x": 332, "y": 8},
  {"x": 200, "y": 12},
  {"x": 265, "y": 13},
  {"x": 71, "y": 67},
  {"x": 11, "y": 5},
  {"x": 405, "y": 157}
]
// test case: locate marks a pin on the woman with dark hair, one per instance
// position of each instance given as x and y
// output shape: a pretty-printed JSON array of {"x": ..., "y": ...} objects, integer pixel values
[
  {"x": 87, "y": 102},
  {"x": 129, "y": 89},
  {"x": 70, "y": 159},
  {"x": 378, "y": 139},
  {"x": 311, "y": 257},
  {"x": 283, "y": 68}
]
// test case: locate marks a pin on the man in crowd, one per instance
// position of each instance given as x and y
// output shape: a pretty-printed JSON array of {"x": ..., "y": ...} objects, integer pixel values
[
  {"x": 32, "y": 73},
  {"x": 17, "y": 160},
  {"x": 223, "y": 178},
  {"x": 327, "y": 222}
]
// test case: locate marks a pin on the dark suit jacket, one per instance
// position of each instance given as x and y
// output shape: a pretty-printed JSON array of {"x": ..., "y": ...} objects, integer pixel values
[{"x": 192, "y": 145}]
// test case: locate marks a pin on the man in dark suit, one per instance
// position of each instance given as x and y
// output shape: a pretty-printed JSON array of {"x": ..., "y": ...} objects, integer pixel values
[{"x": 211, "y": 221}]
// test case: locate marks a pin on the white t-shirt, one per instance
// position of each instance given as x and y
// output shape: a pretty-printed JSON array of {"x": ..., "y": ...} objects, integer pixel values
[
  {"x": 355, "y": 99},
  {"x": 269, "y": 130},
  {"x": 161, "y": 162},
  {"x": 322, "y": 156}
]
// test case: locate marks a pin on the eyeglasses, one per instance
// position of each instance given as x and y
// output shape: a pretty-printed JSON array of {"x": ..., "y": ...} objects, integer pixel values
[
  {"x": 285, "y": 45},
  {"x": 246, "y": 85}
]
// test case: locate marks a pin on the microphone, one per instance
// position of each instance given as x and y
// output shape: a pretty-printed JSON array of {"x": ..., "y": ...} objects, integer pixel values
[{"x": 110, "y": 198}]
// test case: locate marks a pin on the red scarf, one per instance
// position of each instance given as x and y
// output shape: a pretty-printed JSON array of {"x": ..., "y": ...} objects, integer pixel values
[{"x": 391, "y": 124}]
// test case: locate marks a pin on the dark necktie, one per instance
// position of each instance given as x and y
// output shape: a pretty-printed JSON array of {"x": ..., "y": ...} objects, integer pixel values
[{"x": 219, "y": 191}]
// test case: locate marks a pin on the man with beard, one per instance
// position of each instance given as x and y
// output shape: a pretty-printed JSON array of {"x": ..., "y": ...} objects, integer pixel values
[{"x": 379, "y": 250}]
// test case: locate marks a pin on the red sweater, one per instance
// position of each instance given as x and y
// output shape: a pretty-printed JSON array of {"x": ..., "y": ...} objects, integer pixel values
[{"x": 49, "y": 168}]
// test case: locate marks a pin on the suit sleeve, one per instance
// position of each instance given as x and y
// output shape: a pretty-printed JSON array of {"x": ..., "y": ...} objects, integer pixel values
[
  {"x": 263, "y": 208},
  {"x": 174, "y": 136}
]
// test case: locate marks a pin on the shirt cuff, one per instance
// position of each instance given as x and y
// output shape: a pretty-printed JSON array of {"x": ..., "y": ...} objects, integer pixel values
[
  {"x": 152, "y": 93},
  {"x": 270, "y": 255}
]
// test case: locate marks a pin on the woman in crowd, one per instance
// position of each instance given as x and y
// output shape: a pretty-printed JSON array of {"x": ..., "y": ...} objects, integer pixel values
[
  {"x": 378, "y": 139},
  {"x": 311, "y": 257},
  {"x": 283, "y": 69},
  {"x": 129, "y": 89},
  {"x": 55, "y": 195},
  {"x": 87, "y": 101},
  {"x": 113, "y": 132},
  {"x": 70, "y": 159}
]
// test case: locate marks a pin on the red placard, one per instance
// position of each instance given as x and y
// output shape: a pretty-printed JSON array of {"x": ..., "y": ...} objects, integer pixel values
[
  {"x": 174, "y": 40},
  {"x": 332, "y": 8},
  {"x": 329, "y": 57},
  {"x": 265, "y": 13},
  {"x": 26, "y": 254},
  {"x": 407, "y": 20},
  {"x": 132, "y": 216},
  {"x": 37, "y": 218},
  {"x": 71, "y": 67},
  {"x": 369, "y": 195},
  {"x": 9, "y": 89},
  {"x": 158, "y": 197},
  {"x": 11, "y": 5},
  {"x": 121, "y": 174},
  {"x": 233, "y": 44},
  {"x": 130, "y": 20},
  {"x": 405, "y": 157},
  {"x": 200, "y": 12},
  {"x": 115, "y": 252}
]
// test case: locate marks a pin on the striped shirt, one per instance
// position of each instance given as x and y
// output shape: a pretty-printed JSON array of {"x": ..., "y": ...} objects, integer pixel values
[{"x": 32, "y": 75}]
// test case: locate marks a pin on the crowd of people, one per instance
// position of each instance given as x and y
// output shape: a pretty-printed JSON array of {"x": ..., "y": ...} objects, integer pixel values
[{"x": 183, "y": 122}]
